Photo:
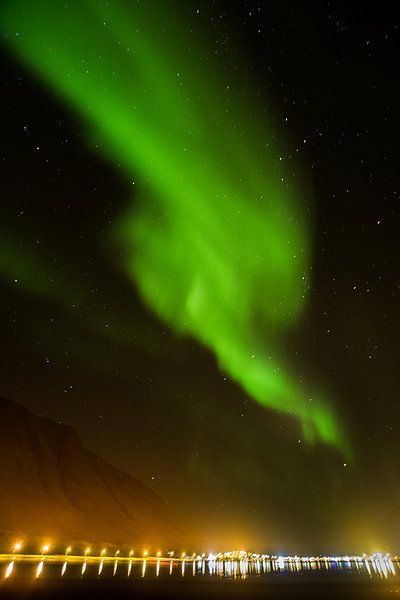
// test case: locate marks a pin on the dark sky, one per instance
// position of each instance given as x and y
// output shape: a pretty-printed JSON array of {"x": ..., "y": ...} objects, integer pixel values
[{"x": 155, "y": 403}]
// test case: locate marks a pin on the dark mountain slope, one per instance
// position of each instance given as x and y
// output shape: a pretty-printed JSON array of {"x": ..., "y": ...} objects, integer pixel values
[{"x": 51, "y": 486}]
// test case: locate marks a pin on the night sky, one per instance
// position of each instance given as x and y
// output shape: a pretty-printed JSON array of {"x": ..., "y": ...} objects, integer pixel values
[{"x": 110, "y": 318}]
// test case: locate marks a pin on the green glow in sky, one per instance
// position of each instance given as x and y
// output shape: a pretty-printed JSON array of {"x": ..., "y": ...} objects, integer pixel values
[{"x": 216, "y": 238}]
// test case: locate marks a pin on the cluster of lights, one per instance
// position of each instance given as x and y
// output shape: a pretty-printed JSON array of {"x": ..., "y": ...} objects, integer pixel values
[
  {"x": 221, "y": 556},
  {"x": 230, "y": 563}
]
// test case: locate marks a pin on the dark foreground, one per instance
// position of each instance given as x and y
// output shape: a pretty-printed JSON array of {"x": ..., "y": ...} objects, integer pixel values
[{"x": 204, "y": 589}]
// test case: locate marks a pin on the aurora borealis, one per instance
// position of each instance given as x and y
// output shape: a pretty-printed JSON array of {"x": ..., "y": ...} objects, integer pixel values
[
  {"x": 217, "y": 245},
  {"x": 190, "y": 271}
]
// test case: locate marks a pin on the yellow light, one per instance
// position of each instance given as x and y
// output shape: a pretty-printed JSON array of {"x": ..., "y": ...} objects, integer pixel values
[
  {"x": 183, "y": 554},
  {"x": 130, "y": 553},
  {"x": 103, "y": 551},
  {"x": 45, "y": 548},
  {"x": 68, "y": 550},
  {"x": 9, "y": 569},
  {"x": 145, "y": 553},
  {"x": 39, "y": 569},
  {"x": 17, "y": 547},
  {"x": 87, "y": 551},
  {"x": 158, "y": 553}
]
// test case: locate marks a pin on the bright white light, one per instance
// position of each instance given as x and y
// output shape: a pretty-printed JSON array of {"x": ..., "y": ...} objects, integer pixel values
[
  {"x": 9, "y": 569},
  {"x": 39, "y": 569}
]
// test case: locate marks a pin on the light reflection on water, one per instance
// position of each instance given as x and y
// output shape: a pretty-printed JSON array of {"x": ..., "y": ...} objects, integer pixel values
[{"x": 230, "y": 566}]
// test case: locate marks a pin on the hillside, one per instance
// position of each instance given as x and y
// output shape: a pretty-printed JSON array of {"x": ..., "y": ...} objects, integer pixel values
[{"x": 52, "y": 487}]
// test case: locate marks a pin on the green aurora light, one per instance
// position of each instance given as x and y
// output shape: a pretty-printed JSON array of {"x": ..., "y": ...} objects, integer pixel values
[{"x": 216, "y": 240}]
